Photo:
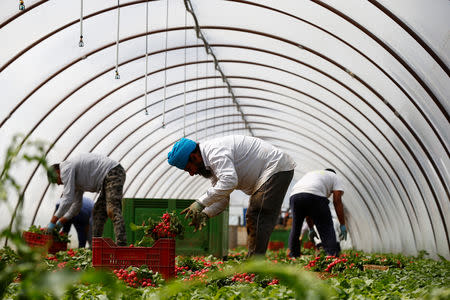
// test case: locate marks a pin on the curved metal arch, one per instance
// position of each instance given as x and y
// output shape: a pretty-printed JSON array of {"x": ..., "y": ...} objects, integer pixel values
[
  {"x": 291, "y": 107},
  {"x": 20, "y": 13},
  {"x": 413, "y": 209},
  {"x": 174, "y": 183},
  {"x": 323, "y": 158},
  {"x": 413, "y": 34},
  {"x": 427, "y": 155},
  {"x": 370, "y": 88},
  {"x": 376, "y": 4},
  {"x": 20, "y": 53},
  {"x": 316, "y": 53},
  {"x": 411, "y": 130},
  {"x": 388, "y": 49},
  {"x": 437, "y": 135},
  {"x": 160, "y": 178},
  {"x": 439, "y": 207},
  {"x": 378, "y": 206},
  {"x": 403, "y": 121},
  {"x": 403, "y": 143},
  {"x": 151, "y": 120}
]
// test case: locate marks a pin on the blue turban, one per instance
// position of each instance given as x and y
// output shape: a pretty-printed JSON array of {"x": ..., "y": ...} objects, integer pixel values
[{"x": 179, "y": 155}]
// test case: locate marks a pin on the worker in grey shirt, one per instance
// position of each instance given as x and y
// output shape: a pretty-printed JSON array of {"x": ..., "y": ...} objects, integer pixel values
[
  {"x": 90, "y": 173},
  {"x": 241, "y": 163}
]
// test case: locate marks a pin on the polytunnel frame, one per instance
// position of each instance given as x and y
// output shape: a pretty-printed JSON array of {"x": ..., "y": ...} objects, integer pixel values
[
  {"x": 173, "y": 170},
  {"x": 293, "y": 43},
  {"x": 154, "y": 72},
  {"x": 323, "y": 57},
  {"x": 368, "y": 86},
  {"x": 335, "y": 11},
  {"x": 149, "y": 121},
  {"x": 348, "y": 19},
  {"x": 417, "y": 78}
]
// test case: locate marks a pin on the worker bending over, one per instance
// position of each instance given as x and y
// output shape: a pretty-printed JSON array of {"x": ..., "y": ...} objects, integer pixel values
[
  {"x": 90, "y": 173},
  {"x": 309, "y": 198},
  {"x": 241, "y": 163}
]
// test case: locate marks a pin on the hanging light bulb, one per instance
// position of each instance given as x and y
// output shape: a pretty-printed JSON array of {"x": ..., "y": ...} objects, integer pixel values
[
  {"x": 117, "y": 74},
  {"x": 163, "y": 125},
  {"x": 81, "y": 43},
  {"x": 21, "y": 5},
  {"x": 146, "y": 112}
]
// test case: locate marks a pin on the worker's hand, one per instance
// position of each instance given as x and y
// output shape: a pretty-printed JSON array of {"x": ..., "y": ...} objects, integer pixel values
[
  {"x": 343, "y": 234},
  {"x": 193, "y": 210},
  {"x": 53, "y": 226},
  {"x": 312, "y": 234},
  {"x": 199, "y": 221},
  {"x": 50, "y": 227},
  {"x": 58, "y": 225}
]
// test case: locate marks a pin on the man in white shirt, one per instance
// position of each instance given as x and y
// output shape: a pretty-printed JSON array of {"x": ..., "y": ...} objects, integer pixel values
[
  {"x": 309, "y": 197},
  {"x": 90, "y": 173},
  {"x": 241, "y": 163}
]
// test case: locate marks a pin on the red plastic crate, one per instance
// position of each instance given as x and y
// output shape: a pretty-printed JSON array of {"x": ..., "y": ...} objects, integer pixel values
[
  {"x": 275, "y": 245},
  {"x": 159, "y": 258},
  {"x": 45, "y": 241}
]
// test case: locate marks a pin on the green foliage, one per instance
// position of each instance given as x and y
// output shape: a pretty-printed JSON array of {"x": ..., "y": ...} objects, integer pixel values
[
  {"x": 20, "y": 151},
  {"x": 302, "y": 284},
  {"x": 168, "y": 226},
  {"x": 78, "y": 259},
  {"x": 190, "y": 263},
  {"x": 25, "y": 273},
  {"x": 57, "y": 236}
]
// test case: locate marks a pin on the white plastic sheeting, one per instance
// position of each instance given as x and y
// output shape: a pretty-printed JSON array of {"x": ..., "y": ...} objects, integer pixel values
[{"x": 359, "y": 86}]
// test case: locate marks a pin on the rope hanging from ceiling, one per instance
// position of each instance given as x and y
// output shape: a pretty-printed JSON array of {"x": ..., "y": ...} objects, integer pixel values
[
  {"x": 185, "y": 73},
  {"x": 117, "y": 76},
  {"x": 209, "y": 50},
  {"x": 146, "y": 58},
  {"x": 81, "y": 42},
  {"x": 165, "y": 67}
]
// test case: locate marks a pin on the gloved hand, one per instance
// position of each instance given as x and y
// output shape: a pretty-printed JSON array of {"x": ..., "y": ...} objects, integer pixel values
[
  {"x": 193, "y": 210},
  {"x": 343, "y": 234},
  {"x": 199, "y": 221},
  {"x": 52, "y": 226},
  {"x": 312, "y": 234}
]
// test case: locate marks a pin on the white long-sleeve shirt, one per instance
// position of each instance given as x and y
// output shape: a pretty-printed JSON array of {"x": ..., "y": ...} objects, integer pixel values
[
  {"x": 82, "y": 173},
  {"x": 239, "y": 163}
]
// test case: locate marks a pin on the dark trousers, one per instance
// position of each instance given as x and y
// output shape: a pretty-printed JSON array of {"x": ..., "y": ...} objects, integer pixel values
[
  {"x": 263, "y": 211},
  {"x": 84, "y": 232},
  {"x": 316, "y": 207}
]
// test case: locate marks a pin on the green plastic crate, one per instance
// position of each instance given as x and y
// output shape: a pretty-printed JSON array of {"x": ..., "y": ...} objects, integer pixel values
[
  {"x": 281, "y": 235},
  {"x": 210, "y": 240}
]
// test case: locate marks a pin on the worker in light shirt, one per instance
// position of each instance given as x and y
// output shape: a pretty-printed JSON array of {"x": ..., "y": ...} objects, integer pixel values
[
  {"x": 309, "y": 197},
  {"x": 241, "y": 163},
  {"x": 90, "y": 172}
]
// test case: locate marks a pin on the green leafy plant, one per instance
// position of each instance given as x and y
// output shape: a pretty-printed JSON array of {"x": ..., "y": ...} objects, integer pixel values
[
  {"x": 168, "y": 226},
  {"x": 139, "y": 276},
  {"x": 60, "y": 237}
]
